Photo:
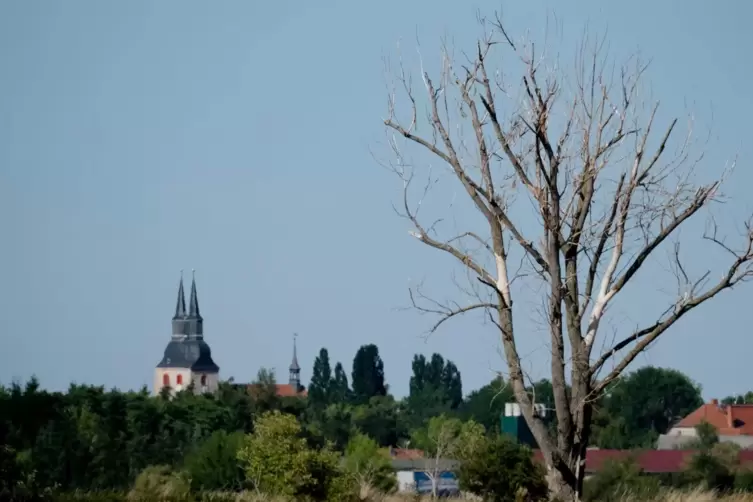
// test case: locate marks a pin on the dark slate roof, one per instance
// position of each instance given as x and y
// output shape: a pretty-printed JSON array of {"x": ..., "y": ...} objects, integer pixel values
[{"x": 193, "y": 353}]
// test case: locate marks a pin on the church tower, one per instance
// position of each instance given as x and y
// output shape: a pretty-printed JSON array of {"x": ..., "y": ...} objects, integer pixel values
[
  {"x": 187, "y": 361},
  {"x": 295, "y": 369}
]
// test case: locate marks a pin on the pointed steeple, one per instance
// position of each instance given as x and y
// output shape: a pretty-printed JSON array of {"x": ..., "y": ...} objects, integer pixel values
[
  {"x": 180, "y": 307},
  {"x": 295, "y": 369},
  {"x": 195, "y": 321},
  {"x": 193, "y": 308},
  {"x": 180, "y": 325},
  {"x": 294, "y": 365}
]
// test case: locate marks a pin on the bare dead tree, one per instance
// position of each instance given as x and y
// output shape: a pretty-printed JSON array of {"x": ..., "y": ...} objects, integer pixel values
[
  {"x": 448, "y": 439},
  {"x": 607, "y": 191}
]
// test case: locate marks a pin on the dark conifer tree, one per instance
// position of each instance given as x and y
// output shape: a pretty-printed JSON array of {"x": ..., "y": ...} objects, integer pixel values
[
  {"x": 368, "y": 374},
  {"x": 339, "y": 390},
  {"x": 320, "y": 388}
]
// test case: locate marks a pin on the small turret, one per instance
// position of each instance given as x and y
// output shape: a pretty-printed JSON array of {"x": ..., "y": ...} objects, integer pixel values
[{"x": 295, "y": 369}]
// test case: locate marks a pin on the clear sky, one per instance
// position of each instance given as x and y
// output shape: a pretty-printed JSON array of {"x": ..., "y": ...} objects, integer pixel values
[{"x": 140, "y": 138}]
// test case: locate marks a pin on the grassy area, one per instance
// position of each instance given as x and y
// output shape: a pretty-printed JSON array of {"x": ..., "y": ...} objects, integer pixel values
[{"x": 664, "y": 496}]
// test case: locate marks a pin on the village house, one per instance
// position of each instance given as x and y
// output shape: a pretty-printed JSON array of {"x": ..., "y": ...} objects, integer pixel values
[
  {"x": 293, "y": 388},
  {"x": 733, "y": 424}
]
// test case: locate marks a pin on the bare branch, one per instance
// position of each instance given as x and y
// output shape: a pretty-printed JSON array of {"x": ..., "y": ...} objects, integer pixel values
[
  {"x": 577, "y": 190},
  {"x": 740, "y": 270},
  {"x": 447, "y": 313}
]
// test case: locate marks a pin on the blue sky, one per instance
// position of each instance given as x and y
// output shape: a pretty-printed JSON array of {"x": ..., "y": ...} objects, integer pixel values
[{"x": 140, "y": 138}]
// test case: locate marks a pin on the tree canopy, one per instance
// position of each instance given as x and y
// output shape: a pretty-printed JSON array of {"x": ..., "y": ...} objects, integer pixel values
[
  {"x": 368, "y": 374},
  {"x": 89, "y": 438}
]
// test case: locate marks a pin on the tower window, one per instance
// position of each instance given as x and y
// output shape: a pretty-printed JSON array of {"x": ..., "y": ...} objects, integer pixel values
[
  {"x": 203, "y": 380},
  {"x": 180, "y": 380},
  {"x": 166, "y": 380}
]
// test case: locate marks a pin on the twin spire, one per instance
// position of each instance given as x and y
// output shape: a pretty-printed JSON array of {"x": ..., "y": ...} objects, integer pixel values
[
  {"x": 180, "y": 308},
  {"x": 189, "y": 324}
]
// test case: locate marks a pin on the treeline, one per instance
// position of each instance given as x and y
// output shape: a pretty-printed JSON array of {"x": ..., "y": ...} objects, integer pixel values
[{"x": 92, "y": 438}]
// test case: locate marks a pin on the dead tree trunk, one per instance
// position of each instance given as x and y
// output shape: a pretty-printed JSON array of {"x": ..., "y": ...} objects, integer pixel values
[{"x": 607, "y": 194}]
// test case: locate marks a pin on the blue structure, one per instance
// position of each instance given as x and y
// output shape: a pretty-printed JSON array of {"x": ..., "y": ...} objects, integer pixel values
[{"x": 447, "y": 485}]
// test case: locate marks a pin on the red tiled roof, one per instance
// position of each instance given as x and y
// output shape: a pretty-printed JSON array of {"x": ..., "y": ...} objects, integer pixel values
[
  {"x": 287, "y": 390},
  {"x": 281, "y": 389},
  {"x": 405, "y": 454},
  {"x": 650, "y": 461},
  {"x": 728, "y": 420}
]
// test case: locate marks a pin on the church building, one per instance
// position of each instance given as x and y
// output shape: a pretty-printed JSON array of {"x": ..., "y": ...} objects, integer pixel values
[
  {"x": 188, "y": 359},
  {"x": 293, "y": 388}
]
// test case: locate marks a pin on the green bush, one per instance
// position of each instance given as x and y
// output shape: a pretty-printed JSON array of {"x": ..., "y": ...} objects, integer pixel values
[
  {"x": 323, "y": 480},
  {"x": 365, "y": 464},
  {"x": 500, "y": 470},
  {"x": 710, "y": 472},
  {"x": 744, "y": 481},
  {"x": 159, "y": 482},
  {"x": 278, "y": 462},
  {"x": 618, "y": 478},
  {"x": 214, "y": 464},
  {"x": 90, "y": 496}
]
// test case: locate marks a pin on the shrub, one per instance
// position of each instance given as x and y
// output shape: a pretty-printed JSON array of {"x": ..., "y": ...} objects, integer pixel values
[
  {"x": 500, "y": 470},
  {"x": 274, "y": 456},
  {"x": 159, "y": 482},
  {"x": 214, "y": 464},
  {"x": 367, "y": 466},
  {"x": 279, "y": 463},
  {"x": 617, "y": 479},
  {"x": 87, "y": 496},
  {"x": 744, "y": 481}
]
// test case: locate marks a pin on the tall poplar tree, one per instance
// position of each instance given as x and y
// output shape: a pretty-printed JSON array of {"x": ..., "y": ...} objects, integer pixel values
[
  {"x": 320, "y": 388},
  {"x": 339, "y": 390},
  {"x": 368, "y": 374}
]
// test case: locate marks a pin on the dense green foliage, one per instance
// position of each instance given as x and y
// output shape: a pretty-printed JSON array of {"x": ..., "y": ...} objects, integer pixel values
[
  {"x": 322, "y": 382},
  {"x": 277, "y": 460},
  {"x": 616, "y": 478},
  {"x": 501, "y": 471},
  {"x": 368, "y": 375},
  {"x": 435, "y": 387},
  {"x": 89, "y": 438},
  {"x": 368, "y": 466},
  {"x": 644, "y": 404},
  {"x": 713, "y": 467},
  {"x": 213, "y": 464}
]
